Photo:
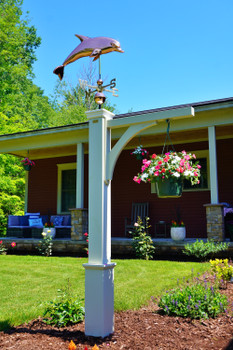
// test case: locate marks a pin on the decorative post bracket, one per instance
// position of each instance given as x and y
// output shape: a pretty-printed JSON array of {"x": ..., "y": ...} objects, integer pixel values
[{"x": 135, "y": 125}]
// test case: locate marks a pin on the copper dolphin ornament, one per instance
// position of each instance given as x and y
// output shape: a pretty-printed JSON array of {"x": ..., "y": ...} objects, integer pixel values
[{"x": 93, "y": 47}]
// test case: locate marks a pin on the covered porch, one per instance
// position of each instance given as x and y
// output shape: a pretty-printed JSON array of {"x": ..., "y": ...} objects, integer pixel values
[{"x": 62, "y": 152}]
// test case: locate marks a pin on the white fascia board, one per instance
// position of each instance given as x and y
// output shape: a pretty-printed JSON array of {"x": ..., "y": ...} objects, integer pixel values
[
  {"x": 178, "y": 113},
  {"x": 44, "y": 138}
]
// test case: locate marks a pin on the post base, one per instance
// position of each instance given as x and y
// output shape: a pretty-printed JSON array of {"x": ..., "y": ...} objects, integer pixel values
[{"x": 99, "y": 299}]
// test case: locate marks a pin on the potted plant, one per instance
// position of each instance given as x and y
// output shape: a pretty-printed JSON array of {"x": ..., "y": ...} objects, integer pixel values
[
  {"x": 168, "y": 172},
  {"x": 49, "y": 229},
  {"x": 27, "y": 163},
  {"x": 178, "y": 230},
  {"x": 140, "y": 152}
]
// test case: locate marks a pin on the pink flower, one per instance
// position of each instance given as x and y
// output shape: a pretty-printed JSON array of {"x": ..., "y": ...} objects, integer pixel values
[
  {"x": 85, "y": 234},
  {"x": 195, "y": 173},
  {"x": 136, "y": 179},
  {"x": 166, "y": 159},
  {"x": 0, "y": 242},
  {"x": 153, "y": 156},
  {"x": 13, "y": 244},
  {"x": 182, "y": 162},
  {"x": 183, "y": 152},
  {"x": 198, "y": 166},
  {"x": 157, "y": 167},
  {"x": 156, "y": 173},
  {"x": 87, "y": 240},
  {"x": 136, "y": 224},
  {"x": 187, "y": 157},
  {"x": 143, "y": 168},
  {"x": 167, "y": 154},
  {"x": 194, "y": 156}
]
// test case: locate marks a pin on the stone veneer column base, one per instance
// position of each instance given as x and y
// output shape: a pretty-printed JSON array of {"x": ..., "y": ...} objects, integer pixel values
[
  {"x": 215, "y": 222},
  {"x": 79, "y": 223}
]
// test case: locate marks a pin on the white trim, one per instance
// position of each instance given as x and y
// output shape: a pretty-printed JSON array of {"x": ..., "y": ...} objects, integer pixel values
[
  {"x": 80, "y": 177},
  {"x": 61, "y": 167},
  {"x": 213, "y": 165}
]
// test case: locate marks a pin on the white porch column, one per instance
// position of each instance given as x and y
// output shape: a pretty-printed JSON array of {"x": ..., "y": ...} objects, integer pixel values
[
  {"x": 80, "y": 176},
  {"x": 26, "y": 192},
  {"x": 213, "y": 165},
  {"x": 99, "y": 275}
]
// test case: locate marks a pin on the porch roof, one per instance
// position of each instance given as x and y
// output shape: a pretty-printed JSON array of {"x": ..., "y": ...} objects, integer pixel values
[{"x": 62, "y": 140}]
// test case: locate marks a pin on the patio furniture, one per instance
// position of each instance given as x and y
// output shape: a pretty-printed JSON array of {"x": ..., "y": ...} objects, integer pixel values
[
  {"x": 20, "y": 226},
  {"x": 138, "y": 210}
]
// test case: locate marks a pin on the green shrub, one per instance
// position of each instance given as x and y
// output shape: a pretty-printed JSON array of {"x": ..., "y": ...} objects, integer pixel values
[
  {"x": 46, "y": 245},
  {"x": 221, "y": 269},
  {"x": 202, "y": 250},
  {"x": 142, "y": 242},
  {"x": 65, "y": 310},
  {"x": 196, "y": 301}
]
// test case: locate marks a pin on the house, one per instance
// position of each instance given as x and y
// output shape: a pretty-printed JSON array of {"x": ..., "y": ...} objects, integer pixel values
[{"x": 59, "y": 181}]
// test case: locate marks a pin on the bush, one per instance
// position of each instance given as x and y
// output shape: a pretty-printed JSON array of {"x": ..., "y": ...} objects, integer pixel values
[
  {"x": 202, "y": 250},
  {"x": 221, "y": 269},
  {"x": 46, "y": 245},
  {"x": 65, "y": 310},
  {"x": 196, "y": 301},
  {"x": 142, "y": 242}
]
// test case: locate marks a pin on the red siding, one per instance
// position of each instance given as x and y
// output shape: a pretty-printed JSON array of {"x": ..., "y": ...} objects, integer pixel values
[
  {"x": 43, "y": 190},
  {"x": 42, "y": 187},
  {"x": 125, "y": 191}
]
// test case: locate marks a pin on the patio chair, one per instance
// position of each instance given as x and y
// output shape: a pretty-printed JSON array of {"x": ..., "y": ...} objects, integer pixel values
[{"x": 138, "y": 209}]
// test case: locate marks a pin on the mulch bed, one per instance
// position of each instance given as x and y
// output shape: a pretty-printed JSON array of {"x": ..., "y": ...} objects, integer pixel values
[{"x": 144, "y": 329}]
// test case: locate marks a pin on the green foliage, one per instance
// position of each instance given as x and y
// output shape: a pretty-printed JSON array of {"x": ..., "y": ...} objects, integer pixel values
[
  {"x": 196, "y": 301},
  {"x": 221, "y": 269},
  {"x": 46, "y": 245},
  {"x": 3, "y": 249},
  {"x": 42, "y": 276},
  {"x": 202, "y": 250},
  {"x": 65, "y": 310},
  {"x": 142, "y": 242}
]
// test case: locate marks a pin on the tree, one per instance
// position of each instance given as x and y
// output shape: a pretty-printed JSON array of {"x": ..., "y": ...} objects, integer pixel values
[
  {"x": 71, "y": 102},
  {"x": 22, "y": 104}
]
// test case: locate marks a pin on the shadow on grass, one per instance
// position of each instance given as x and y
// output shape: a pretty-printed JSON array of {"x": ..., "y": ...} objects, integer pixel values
[{"x": 5, "y": 325}]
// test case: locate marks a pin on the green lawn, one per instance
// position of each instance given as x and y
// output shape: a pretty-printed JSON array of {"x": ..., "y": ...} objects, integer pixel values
[{"x": 27, "y": 282}]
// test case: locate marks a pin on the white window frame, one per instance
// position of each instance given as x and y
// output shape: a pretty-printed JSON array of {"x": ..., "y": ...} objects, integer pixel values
[
  {"x": 199, "y": 154},
  {"x": 61, "y": 167}
]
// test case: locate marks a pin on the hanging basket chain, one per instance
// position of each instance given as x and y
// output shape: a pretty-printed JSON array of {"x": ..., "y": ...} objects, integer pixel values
[{"x": 168, "y": 141}]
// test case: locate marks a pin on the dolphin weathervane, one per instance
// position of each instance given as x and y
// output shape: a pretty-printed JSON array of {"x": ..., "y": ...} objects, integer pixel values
[{"x": 92, "y": 47}]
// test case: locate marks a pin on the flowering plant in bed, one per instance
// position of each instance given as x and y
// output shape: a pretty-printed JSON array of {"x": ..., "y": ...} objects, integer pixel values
[{"x": 171, "y": 165}]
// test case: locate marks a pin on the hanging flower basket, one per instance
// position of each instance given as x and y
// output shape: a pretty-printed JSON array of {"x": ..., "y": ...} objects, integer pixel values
[
  {"x": 140, "y": 153},
  {"x": 169, "y": 188},
  {"x": 168, "y": 172},
  {"x": 27, "y": 164}
]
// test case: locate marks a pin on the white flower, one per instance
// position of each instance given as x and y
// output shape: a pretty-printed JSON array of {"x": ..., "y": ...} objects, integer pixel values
[
  {"x": 176, "y": 174},
  {"x": 44, "y": 234}
]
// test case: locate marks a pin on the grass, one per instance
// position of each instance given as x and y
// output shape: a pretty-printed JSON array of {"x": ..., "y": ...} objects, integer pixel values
[{"x": 27, "y": 282}]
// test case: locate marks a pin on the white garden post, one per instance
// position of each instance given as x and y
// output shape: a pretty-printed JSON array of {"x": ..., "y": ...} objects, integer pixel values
[{"x": 99, "y": 274}]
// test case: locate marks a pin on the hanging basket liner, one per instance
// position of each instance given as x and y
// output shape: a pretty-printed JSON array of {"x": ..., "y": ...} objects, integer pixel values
[
  {"x": 27, "y": 167},
  {"x": 169, "y": 188}
]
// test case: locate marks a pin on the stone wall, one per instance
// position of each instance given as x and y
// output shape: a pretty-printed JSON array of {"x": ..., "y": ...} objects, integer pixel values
[
  {"x": 215, "y": 222},
  {"x": 79, "y": 223}
]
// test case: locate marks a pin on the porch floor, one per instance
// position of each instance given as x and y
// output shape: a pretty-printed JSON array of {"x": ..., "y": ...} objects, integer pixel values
[{"x": 121, "y": 247}]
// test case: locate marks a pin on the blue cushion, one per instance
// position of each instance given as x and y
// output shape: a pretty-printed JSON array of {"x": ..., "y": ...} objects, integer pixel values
[
  {"x": 23, "y": 220},
  {"x": 36, "y": 214},
  {"x": 57, "y": 220},
  {"x": 35, "y": 222}
]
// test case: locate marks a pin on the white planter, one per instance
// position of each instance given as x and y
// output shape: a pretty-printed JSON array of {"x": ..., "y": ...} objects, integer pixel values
[
  {"x": 178, "y": 233},
  {"x": 50, "y": 231}
]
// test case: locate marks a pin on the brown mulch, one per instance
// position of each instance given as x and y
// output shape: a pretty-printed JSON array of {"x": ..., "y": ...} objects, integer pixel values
[{"x": 134, "y": 330}]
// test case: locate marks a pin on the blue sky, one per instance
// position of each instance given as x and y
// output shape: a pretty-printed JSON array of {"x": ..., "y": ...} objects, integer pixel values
[{"x": 176, "y": 51}]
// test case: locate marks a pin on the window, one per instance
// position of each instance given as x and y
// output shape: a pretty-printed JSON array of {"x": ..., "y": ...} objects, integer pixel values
[{"x": 66, "y": 196}]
